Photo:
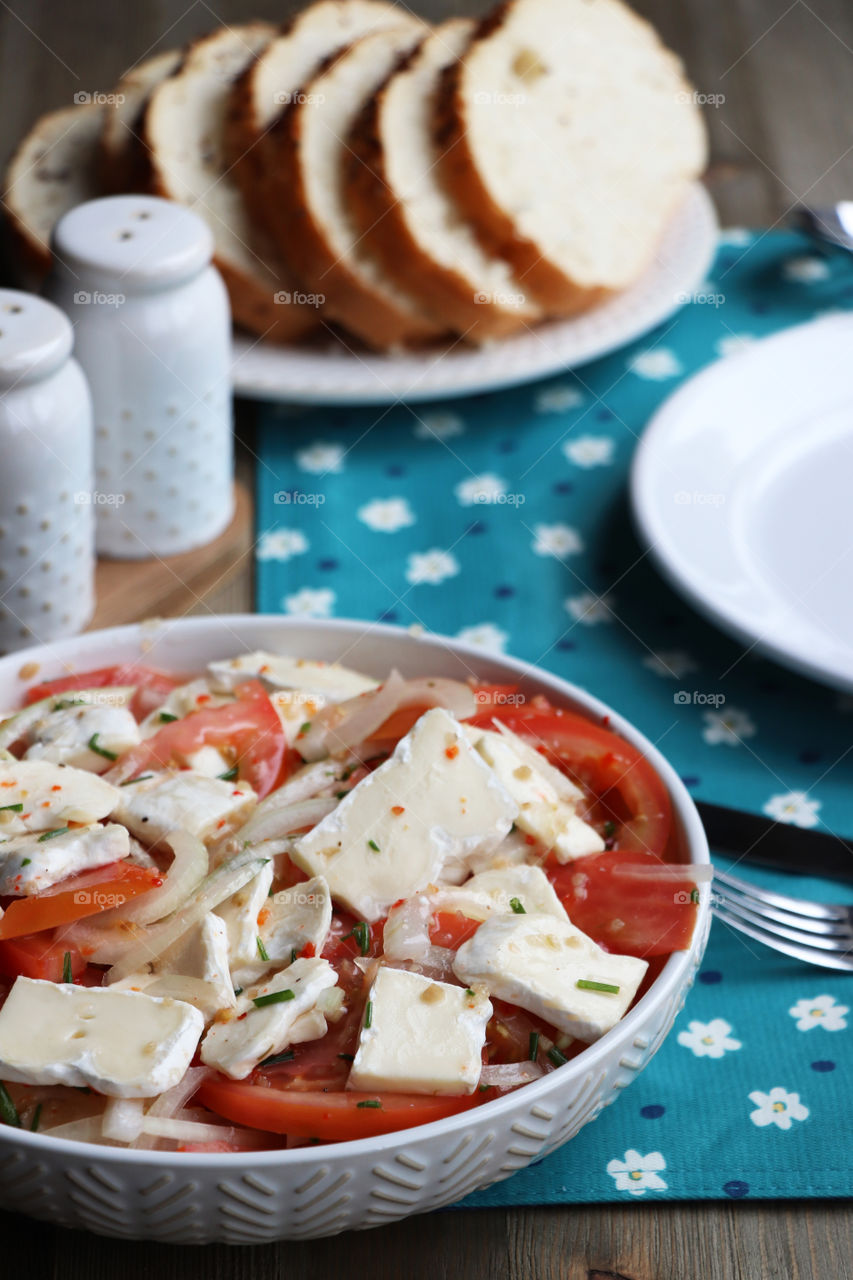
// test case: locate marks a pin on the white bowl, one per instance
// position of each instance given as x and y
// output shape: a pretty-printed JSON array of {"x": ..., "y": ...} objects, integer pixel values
[{"x": 257, "y": 1197}]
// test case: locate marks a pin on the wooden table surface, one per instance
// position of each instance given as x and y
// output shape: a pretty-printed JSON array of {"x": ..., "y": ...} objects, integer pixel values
[{"x": 783, "y": 134}]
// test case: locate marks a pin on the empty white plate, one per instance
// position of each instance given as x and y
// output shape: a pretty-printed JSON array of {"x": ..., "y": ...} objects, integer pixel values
[{"x": 742, "y": 486}]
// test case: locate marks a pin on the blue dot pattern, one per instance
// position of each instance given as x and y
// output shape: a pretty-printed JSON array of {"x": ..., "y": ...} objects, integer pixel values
[{"x": 503, "y": 518}]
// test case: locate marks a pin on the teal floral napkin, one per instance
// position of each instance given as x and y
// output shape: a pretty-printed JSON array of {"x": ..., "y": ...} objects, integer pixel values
[{"x": 503, "y": 519}]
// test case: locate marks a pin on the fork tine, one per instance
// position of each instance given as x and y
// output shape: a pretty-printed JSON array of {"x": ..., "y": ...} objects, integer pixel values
[
  {"x": 840, "y": 943},
  {"x": 828, "y": 928},
  {"x": 823, "y": 959},
  {"x": 800, "y": 906}
]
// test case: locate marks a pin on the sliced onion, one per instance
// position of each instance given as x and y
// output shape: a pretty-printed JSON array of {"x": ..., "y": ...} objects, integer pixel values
[
  {"x": 184, "y": 1130},
  {"x": 275, "y": 821},
  {"x": 170, "y": 1102},
  {"x": 188, "y": 869},
  {"x": 510, "y": 1074},
  {"x": 309, "y": 781},
  {"x": 437, "y": 964},
  {"x": 148, "y": 944},
  {"x": 406, "y": 932},
  {"x": 122, "y": 1119},
  {"x": 331, "y": 1003},
  {"x": 342, "y": 725},
  {"x": 80, "y": 1131}
]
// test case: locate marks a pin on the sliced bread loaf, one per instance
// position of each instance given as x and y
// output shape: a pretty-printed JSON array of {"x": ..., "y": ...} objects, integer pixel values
[
  {"x": 406, "y": 215},
  {"x": 183, "y": 135},
  {"x": 118, "y": 160},
  {"x": 53, "y": 169},
  {"x": 569, "y": 137},
  {"x": 315, "y": 230}
]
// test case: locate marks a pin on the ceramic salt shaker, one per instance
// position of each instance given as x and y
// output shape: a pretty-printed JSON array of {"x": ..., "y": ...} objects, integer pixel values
[
  {"x": 47, "y": 559},
  {"x": 152, "y": 334}
]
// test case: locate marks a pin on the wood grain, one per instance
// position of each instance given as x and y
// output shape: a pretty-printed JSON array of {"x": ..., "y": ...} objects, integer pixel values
[{"x": 781, "y": 135}]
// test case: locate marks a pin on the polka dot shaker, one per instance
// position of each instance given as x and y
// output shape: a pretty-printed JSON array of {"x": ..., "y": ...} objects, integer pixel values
[
  {"x": 152, "y": 333},
  {"x": 47, "y": 559}
]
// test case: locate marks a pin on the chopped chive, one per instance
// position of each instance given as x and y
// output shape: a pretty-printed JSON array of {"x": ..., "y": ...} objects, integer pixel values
[
  {"x": 483, "y": 1088},
  {"x": 369, "y": 1102},
  {"x": 238, "y": 991},
  {"x": 275, "y": 1058},
  {"x": 361, "y": 933},
  {"x": 130, "y": 781},
  {"x": 8, "y": 1110},
  {"x": 13, "y": 808},
  {"x": 517, "y": 906},
  {"x": 292, "y": 954},
  {"x": 262, "y": 951},
  {"x": 371, "y": 844},
  {"x": 92, "y": 744},
  {"x": 303, "y": 728},
  {"x": 469, "y": 992},
  {"x": 65, "y": 703},
  {"x": 368, "y": 1013},
  {"x": 273, "y": 997},
  {"x": 609, "y": 829},
  {"x": 557, "y": 1058},
  {"x": 26, "y": 862},
  {"x": 230, "y": 774},
  {"x": 586, "y": 984},
  {"x": 347, "y": 1057},
  {"x": 34, "y": 1123},
  {"x": 533, "y": 1046},
  {"x": 166, "y": 717},
  {"x": 339, "y": 795},
  {"x": 48, "y": 835},
  {"x": 67, "y": 975},
  {"x": 694, "y": 894}
]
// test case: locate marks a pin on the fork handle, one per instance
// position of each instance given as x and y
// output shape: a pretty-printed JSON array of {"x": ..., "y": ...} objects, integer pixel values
[{"x": 776, "y": 844}]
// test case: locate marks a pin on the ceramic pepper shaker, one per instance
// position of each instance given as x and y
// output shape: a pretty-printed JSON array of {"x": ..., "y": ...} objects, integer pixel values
[
  {"x": 47, "y": 559},
  {"x": 152, "y": 333}
]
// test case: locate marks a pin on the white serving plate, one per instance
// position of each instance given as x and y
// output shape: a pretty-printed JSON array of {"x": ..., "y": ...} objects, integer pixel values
[
  {"x": 334, "y": 374},
  {"x": 257, "y": 1197},
  {"x": 741, "y": 488}
]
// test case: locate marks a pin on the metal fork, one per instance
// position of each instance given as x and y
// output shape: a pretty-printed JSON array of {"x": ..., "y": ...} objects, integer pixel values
[{"x": 820, "y": 933}]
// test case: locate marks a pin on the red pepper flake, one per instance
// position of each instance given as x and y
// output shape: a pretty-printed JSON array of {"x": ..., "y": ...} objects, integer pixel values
[
  {"x": 236, "y": 793},
  {"x": 24, "y": 816},
  {"x": 265, "y": 667},
  {"x": 56, "y": 788},
  {"x": 203, "y": 697},
  {"x": 241, "y": 1016},
  {"x": 397, "y": 809},
  {"x": 8, "y": 784},
  {"x": 220, "y": 824},
  {"x": 45, "y": 804},
  {"x": 308, "y": 951},
  {"x": 263, "y": 916},
  {"x": 451, "y": 752},
  {"x": 529, "y": 839}
]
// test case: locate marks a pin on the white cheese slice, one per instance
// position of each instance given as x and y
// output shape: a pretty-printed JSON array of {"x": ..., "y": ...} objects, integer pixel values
[
  {"x": 536, "y": 961},
  {"x": 206, "y": 807},
  {"x": 240, "y": 914},
  {"x": 295, "y": 708},
  {"x": 424, "y": 1036},
  {"x": 413, "y": 821},
  {"x": 279, "y": 671},
  {"x": 36, "y": 795},
  {"x": 546, "y": 809},
  {"x": 65, "y": 736},
  {"x": 122, "y": 1043},
  {"x": 208, "y": 761},
  {"x": 202, "y": 953},
  {"x": 31, "y": 863},
  {"x": 514, "y": 889},
  {"x": 287, "y": 922},
  {"x": 236, "y": 1044}
]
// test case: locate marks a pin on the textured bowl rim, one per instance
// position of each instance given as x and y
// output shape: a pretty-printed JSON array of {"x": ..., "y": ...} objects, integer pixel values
[{"x": 134, "y": 642}]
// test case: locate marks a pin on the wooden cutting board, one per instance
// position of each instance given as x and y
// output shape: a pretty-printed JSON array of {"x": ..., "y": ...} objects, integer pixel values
[{"x": 131, "y": 590}]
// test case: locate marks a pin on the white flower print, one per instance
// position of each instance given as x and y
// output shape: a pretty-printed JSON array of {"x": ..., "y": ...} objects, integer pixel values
[
  {"x": 310, "y": 602},
  {"x": 321, "y": 458},
  {"x": 431, "y": 567},
  {"x": 439, "y": 426},
  {"x": 638, "y": 1174},
  {"x": 806, "y": 270},
  {"x": 556, "y": 399},
  {"x": 777, "y": 1107},
  {"x": 820, "y": 1011},
  {"x": 590, "y": 609},
  {"x": 556, "y": 540},
  {"x": 485, "y": 636},
  {"x": 657, "y": 365},
  {"x": 281, "y": 544},
  {"x": 484, "y": 488},
  {"x": 734, "y": 343},
  {"x": 736, "y": 236},
  {"x": 730, "y": 726},
  {"x": 672, "y": 663},
  {"x": 589, "y": 451},
  {"x": 386, "y": 515},
  {"x": 708, "y": 1039},
  {"x": 795, "y": 808}
]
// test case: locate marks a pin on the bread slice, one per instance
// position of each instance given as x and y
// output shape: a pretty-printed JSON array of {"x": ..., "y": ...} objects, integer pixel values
[
  {"x": 183, "y": 135},
  {"x": 406, "y": 216},
  {"x": 569, "y": 136},
  {"x": 118, "y": 158},
  {"x": 53, "y": 169},
  {"x": 315, "y": 230}
]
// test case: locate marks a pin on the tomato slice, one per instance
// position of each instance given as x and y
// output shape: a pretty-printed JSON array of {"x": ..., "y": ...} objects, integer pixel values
[
  {"x": 332, "y": 1117},
  {"x": 152, "y": 687},
  {"x": 76, "y": 897},
  {"x": 39, "y": 955},
  {"x": 629, "y": 789},
  {"x": 249, "y": 725},
  {"x": 635, "y": 916},
  {"x": 451, "y": 929}
]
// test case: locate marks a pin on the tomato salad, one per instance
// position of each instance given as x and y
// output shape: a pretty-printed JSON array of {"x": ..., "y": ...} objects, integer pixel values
[{"x": 282, "y": 903}]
